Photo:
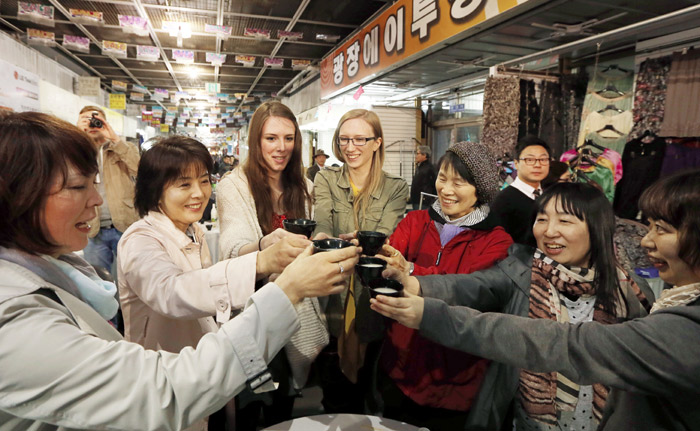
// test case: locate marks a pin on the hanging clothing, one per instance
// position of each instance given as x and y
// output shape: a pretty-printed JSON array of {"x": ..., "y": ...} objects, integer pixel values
[
  {"x": 529, "y": 115},
  {"x": 573, "y": 94},
  {"x": 501, "y": 108},
  {"x": 642, "y": 162},
  {"x": 597, "y": 123},
  {"x": 552, "y": 128},
  {"x": 650, "y": 96},
  {"x": 682, "y": 112},
  {"x": 681, "y": 156}
]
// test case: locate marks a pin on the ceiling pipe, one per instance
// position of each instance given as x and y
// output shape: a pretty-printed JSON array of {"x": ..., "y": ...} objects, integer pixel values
[
  {"x": 142, "y": 12},
  {"x": 300, "y": 75},
  {"x": 219, "y": 41},
  {"x": 290, "y": 26}
]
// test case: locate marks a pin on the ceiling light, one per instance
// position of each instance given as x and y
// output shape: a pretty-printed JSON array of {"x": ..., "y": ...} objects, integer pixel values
[{"x": 194, "y": 73}]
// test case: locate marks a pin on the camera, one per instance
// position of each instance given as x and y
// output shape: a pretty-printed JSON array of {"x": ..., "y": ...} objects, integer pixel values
[{"x": 95, "y": 123}]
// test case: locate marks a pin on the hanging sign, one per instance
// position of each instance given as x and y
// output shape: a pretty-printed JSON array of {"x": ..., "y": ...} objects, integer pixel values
[
  {"x": 164, "y": 128},
  {"x": 216, "y": 59},
  {"x": 300, "y": 64},
  {"x": 179, "y": 30},
  {"x": 183, "y": 56},
  {"x": 257, "y": 33},
  {"x": 19, "y": 89},
  {"x": 35, "y": 12},
  {"x": 290, "y": 35},
  {"x": 133, "y": 25},
  {"x": 327, "y": 37},
  {"x": 146, "y": 116},
  {"x": 160, "y": 94},
  {"x": 87, "y": 86},
  {"x": 139, "y": 88},
  {"x": 275, "y": 63},
  {"x": 147, "y": 53},
  {"x": 76, "y": 43},
  {"x": 117, "y": 101},
  {"x": 456, "y": 108},
  {"x": 222, "y": 96},
  {"x": 119, "y": 86},
  {"x": 40, "y": 37},
  {"x": 403, "y": 32},
  {"x": 117, "y": 49},
  {"x": 219, "y": 30},
  {"x": 180, "y": 95},
  {"x": 136, "y": 97},
  {"x": 91, "y": 17},
  {"x": 213, "y": 87},
  {"x": 246, "y": 60}
]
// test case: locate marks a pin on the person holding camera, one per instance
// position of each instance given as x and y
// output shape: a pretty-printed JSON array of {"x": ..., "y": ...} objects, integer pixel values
[{"x": 118, "y": 163}]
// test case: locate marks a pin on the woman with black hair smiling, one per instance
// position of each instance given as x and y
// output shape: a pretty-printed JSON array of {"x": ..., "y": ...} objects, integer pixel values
[{"x": 571, "y": 278}]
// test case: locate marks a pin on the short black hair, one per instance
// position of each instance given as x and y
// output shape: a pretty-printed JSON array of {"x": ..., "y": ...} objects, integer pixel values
[
  {"x": 676, "y": 200},
  {"x": 528, "y": 141},
  {"x": 164, "y": 163}
]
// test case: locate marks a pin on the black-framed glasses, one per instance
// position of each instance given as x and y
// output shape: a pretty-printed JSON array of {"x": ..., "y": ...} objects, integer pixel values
[
  {"x": 530, "y": 161},
  {"x": 357, "y": 141}
]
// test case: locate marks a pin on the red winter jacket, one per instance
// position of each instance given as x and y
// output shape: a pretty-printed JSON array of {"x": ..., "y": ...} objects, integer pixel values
[{"x": 430, "y": 374}]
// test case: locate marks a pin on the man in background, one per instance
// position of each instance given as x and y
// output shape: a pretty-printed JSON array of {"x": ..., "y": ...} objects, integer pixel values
[
  {"x": 515, "y": 206},
  {"x": 319, "y": 162},
  {"x": 424, "y": 179},
  {"x": 118, "y": 164}
]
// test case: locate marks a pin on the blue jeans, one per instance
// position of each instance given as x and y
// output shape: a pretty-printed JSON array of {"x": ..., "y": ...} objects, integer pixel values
[{"x": 102, "y": 249}]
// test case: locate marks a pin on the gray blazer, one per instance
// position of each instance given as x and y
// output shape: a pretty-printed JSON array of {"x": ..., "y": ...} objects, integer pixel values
[{"x": 503, "y": 288}]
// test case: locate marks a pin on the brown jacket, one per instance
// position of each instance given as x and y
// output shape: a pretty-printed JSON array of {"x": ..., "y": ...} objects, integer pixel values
[{"x": 119, "y": 167}]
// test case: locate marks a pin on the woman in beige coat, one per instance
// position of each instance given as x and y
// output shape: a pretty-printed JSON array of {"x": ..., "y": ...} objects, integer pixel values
[{"x": 170, "y": 292}]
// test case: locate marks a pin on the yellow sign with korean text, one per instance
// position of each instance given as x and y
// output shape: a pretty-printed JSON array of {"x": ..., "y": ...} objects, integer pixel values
[
  {"x": 403, "y": 30},
  {"x": 117, "y": 101}
]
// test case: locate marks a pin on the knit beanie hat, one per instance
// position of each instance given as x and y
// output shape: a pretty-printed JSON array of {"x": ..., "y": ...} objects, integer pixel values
[{"x": 482, "y": 165}]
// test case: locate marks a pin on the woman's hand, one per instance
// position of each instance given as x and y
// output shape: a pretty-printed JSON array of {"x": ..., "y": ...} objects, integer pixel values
[
  {"x": 275, "y": 236},
  {"x": 319, "y": 274},
  {"x": 275, "y": 258},
  {"x": 394, "y": 259},
  {"x": 348, "y": 236},
  {"x": 321, "y": 235},
  {"x": 407, "y": 310},
  {"x": 410, "y": 283}
]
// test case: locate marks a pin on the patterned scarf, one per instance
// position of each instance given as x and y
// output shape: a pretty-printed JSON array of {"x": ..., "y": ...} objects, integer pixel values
[
  {"x": 678, "y": 296},
  {"x": 543, "y": 394}
]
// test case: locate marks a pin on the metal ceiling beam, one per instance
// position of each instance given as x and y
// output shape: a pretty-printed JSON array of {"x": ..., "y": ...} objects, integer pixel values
[
  {"x": 290, "y": 26},
  {"x": 94, "y": 40},
  {"x": 206, "y": 50},
  {"x": 219, "y": 21},
  {"x": 228, "y": 14}
]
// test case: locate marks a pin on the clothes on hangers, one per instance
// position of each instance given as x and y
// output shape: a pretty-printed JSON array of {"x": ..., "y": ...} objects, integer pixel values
[
  {"x": 650, "y": 96},
  {"x": 642, "y": 162}
]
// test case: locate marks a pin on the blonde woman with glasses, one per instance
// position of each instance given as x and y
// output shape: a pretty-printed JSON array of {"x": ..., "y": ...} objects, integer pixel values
[{"x": 357, "y": 196}]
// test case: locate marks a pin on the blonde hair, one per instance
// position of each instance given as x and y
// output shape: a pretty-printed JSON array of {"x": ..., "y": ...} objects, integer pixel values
[{"x": 376, "y": 176}]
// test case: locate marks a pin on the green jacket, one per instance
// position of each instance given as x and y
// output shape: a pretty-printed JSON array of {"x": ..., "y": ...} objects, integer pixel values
[
  {"x": 333, "y": 200},
  {"x": 333, "y": 203}
]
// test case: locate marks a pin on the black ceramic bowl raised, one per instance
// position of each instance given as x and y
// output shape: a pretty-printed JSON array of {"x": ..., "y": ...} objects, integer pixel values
[
  {"x": 330, "y": 244},
  {"x": 369, "y": 268},
  {"x": 371, "y": 242},
  {"x": 385, "y": 286},
  {"x": 301, "y": 226}
]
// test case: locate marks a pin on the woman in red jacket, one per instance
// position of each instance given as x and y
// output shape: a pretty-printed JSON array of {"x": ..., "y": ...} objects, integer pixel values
[{"x": 421, "y": 382}]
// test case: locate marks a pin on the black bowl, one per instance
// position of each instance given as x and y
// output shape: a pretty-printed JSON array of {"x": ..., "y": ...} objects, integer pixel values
[
  {"x": 301, "y": 226},
  {"x": 371, "y": 242},
  {"x": 330, "y": 244},
  {"x": 369, "y": 268},
  {"x": 385, "y": 286}
]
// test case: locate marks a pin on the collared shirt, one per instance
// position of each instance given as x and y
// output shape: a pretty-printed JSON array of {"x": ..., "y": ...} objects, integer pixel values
[{"x": 527, "y": 189}]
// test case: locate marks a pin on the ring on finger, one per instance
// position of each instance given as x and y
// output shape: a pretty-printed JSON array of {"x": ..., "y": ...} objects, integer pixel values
[
  {"x": 396, "y": 253},
  {"x": 342, "y": 270}
]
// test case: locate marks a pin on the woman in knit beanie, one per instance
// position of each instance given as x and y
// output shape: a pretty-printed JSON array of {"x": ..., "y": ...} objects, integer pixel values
[{"x": 424, "y": 383}]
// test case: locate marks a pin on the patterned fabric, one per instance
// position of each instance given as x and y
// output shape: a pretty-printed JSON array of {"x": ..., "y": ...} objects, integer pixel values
[
  {"x": 681, "y": 117},
  {"x": 501, "y": 108},
  {"x": 552, "y": 125},
  {"x": 277, "y": 221},
  {"x": 480, "y": 161},
  {"x": 529, "y": 115},
  {"x": 678, "y": 296},
  {"x": 628, "y": 248},
  {"x": 650, "y": 96},
  {"x": 573, "y": 88},
  {"x": 542, "y": 394}
]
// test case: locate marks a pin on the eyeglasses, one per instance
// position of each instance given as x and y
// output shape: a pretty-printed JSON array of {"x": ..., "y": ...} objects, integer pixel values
[
  {"x": 358, "y": 142},
  {"x": 530, "y": 161}
]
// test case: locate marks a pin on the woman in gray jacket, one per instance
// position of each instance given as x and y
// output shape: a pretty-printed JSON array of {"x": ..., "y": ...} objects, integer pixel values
[
  {"x": 652, "y": 364},
  {"x": 62, "y": 366}
]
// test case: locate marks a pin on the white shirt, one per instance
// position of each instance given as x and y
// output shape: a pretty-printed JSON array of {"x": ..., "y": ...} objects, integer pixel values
[{"x": 527, "y": 189}]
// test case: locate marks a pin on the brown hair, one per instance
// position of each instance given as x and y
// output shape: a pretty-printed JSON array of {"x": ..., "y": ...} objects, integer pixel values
[
  {"x": 35, "y": 150},
  {"x": 376, "y": 176},
  {"x": 164, "y": 163},
  {"x": 295, "y": 199},
  {"x": 93, "y": 108},
  {"x": 676, "y": 200}
]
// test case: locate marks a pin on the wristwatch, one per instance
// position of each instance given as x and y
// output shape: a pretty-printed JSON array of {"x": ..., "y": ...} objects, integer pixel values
[{"x": 411, "y": 267}]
